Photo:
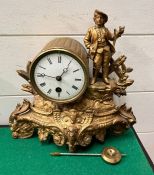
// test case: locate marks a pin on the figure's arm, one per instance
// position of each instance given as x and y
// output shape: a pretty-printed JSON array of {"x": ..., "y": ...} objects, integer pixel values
[
  {"x": 109, "y": 35},
  {"x": 87, "y": 39},
  {"x": 118, "y": 33}
]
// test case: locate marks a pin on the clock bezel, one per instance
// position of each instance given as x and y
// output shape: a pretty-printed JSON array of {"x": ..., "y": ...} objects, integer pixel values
[{"x": 63, "y": 51}]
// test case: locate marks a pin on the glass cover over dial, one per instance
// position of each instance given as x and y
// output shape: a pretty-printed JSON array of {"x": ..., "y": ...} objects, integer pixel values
[{"x": 59, "y": 77}]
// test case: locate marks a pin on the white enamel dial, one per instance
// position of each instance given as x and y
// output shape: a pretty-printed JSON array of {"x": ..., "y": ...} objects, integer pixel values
[{"x": 59, "y": 76}]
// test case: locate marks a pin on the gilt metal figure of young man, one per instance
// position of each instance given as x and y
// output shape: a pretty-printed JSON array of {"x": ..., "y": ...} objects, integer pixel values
[{"x": 97, "y": 40}]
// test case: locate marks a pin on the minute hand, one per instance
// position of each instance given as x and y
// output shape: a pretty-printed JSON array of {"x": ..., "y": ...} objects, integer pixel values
[{"x": 66, "y": 69}]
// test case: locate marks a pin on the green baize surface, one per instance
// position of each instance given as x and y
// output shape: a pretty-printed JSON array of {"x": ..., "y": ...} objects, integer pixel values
[{"x": 31, "y": 157}]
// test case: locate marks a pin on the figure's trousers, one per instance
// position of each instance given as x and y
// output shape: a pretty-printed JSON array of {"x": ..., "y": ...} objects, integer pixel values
[{"x": 102, "y": 60}]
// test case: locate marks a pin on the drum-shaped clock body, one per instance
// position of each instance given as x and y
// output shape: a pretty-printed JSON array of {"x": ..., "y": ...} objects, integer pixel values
[{"x": 60, "y": 72}]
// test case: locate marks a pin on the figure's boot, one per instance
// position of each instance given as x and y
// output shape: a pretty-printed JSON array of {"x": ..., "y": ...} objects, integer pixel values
[
  {"x": 95, "y": 73},
  {"x": 106, "y": 73},
  {"x": 106, "y": 68}
]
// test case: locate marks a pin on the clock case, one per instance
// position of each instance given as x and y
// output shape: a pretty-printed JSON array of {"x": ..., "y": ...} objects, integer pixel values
[
  {"x": 92, "y": 114},
  {"x": 69, "y": 47}
]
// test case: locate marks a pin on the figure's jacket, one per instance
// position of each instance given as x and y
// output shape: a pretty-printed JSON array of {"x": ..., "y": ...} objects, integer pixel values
[{"x": 92, "y": 40}]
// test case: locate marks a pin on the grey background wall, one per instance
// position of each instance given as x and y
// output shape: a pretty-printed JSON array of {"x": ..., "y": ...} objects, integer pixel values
[{"x": 26, "y": 26}]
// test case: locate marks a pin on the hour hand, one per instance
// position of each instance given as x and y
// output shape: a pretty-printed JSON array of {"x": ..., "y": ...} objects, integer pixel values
[
  {"x": 44, "y": 75},
  {"x": 40, "y": 75}
]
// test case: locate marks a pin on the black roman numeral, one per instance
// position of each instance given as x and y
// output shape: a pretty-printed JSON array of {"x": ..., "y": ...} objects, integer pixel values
[
  {"x": 74, "y": 87},
  {"x": 67, "y": 92},
  {"x": 42, "y": 67},
  {"x": 58, "y": 94},
  {"x": 59, "y": 59},
  {"x": 49, "y": 60},
  {"x": 76, "y": 70},
  {"x": 49, "y": 91},
  {"x": 39, "y": 75},
  {"x": 43, "y": 84},
  {"x": 77, "y": 79}
]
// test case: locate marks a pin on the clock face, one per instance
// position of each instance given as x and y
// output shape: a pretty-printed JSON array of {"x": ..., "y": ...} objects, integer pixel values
[{"x": 58, "y": 76}]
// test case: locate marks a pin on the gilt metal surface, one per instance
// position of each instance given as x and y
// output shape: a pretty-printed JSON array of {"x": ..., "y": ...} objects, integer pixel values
[
  {"x": 92, "y": 115},
  {"x": 111, "y": 155}
]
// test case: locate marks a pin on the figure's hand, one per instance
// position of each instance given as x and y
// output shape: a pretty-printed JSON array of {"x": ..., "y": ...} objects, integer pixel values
[
  {"x": 90, "y": 56},
  {"x": 119, "y": 32},
  {"x": 92, "y": 50}
]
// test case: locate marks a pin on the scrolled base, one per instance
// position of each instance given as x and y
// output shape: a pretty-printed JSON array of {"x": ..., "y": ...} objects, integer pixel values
[{"x": 74, "y": 124}]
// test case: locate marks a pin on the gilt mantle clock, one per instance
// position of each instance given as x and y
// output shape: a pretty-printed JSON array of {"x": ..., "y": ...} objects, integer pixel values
[{"x": 68, "y": 104}]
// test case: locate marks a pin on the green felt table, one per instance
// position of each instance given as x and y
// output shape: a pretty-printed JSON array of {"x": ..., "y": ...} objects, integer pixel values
[{"x": 30, "y": 157}]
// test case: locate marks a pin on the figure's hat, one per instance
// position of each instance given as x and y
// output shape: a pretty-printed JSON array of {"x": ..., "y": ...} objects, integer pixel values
[{"x": 102, "y": 14}]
